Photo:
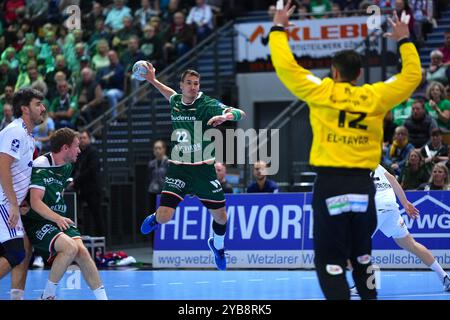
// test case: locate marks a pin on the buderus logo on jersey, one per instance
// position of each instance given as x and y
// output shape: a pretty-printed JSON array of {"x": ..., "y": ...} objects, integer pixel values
[{"x": 15, "y": 145}]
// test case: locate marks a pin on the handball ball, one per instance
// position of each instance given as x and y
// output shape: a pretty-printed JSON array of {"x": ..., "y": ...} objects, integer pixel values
[{"x": 139, "y": 68}]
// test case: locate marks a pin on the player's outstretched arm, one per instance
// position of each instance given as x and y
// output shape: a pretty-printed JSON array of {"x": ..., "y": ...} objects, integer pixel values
[
  {"x": 6, "y": 181},
  {"x": 412, "y": 211},
  {"x": 150, "y": 76},
  {"x": 400, "y": 87},
  {"x": 299, "y": 81},
  {"x": 36, "y": 196},
  {"x": 231, "y": 114}
]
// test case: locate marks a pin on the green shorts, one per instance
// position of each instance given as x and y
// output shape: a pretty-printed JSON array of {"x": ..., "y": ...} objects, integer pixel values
[
  {"x": 199, "y": 180},
  {"x": 42, "y": 235}
]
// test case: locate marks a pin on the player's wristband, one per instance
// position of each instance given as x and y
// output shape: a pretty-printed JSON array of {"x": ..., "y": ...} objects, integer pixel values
[
  {"x": 402, "y": 41},
  {"x": 236, "y": 114},
  {"x": 277, "y": 27}
]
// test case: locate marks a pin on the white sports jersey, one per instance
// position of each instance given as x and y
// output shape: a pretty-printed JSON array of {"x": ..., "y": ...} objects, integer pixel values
[
  {"x": 385, "y": 196},
  {"x": 15, "y": 141}
]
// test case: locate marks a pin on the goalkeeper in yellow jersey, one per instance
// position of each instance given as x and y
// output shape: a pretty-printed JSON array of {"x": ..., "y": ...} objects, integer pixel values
[{"x": 347, "y": 125}]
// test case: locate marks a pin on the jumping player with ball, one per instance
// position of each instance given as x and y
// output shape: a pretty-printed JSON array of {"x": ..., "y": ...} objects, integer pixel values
[{"x": 190, "y": 171}]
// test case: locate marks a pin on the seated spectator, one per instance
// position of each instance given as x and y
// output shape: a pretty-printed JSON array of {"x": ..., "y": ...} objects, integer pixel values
[
  {"x": 402, "y": 111},
  {"x": 120, "y": 40},
  {"x": 319, "y": 8},
  {"x": 167, "y": 15},
  {"x": 60, "y": 66},
  {"x": 415, "y": 173},
  {"x": 438, "y": 107},
  {"x": 388, "y": 129},
  {"x": 396, "y": 154},
  {"x": 53, "y": 92},
  {"x": 437, "y": 70},
  {"x": 89, "y": 20},
  {"x": 6, "y": 98},
  {"x": 111, "y": 80},
  {"x": 221, "y": 171},
  {"x": 64, "y": 108},
  {"x": 303, "y": 13},
  {"x": 179, "y": 38},
  {"x": 7, "y": 76},
  {"x": 435, "y": 151},
  {"x": 438, "y": 180},
  {"x": 419, "y": 124},
  {"x": 26, "y": 79},
  {"x": 336, "y": 10},
  {"x": 348, "y": 5},
  {"x": 446, "y": 48},
  {"x": 100, "y": 33},
  {"x": 42, "y": 87},
  {"x": 10, "y": 56},
  {"x": 114, "y": 19},
  {"x": 151, "y": 47},
  {"x": 262, "y": 184},
  {"x": 8, "y": 116},
  {"x": 201, "y": 17},
  {"x": 90, "y": 97},
  {"x": 42, "y": 134},
  {"x": 143, "y": 15},
  {"x": 100, "y": 59},
  {"x": 129, "y": 57}
]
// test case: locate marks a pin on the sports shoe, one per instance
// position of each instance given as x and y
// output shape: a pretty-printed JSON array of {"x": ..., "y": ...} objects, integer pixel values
[
  {"x": 38, "y": 262},
  {"x": 219, "y": 255},
  {"x": 446, "y": 283},
  {"x": 149, "y": 224},
  {"x": 48, "y": 298},
  {"x": 354, "y": 292}
]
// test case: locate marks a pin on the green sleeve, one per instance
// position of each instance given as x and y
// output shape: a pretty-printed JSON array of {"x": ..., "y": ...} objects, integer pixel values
[
  {"x": 216, "y": 108},
  {"x": 444, "y": 105},
  {"x": 37, "y": 178},
  {"x": 73, "y": 103}
]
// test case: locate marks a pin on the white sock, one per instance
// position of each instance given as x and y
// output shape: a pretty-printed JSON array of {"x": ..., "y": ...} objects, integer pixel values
[
  {"x": 16, "y": 294},
  {"x": 219, "y": 241},
  {"x": 436, "y": 267},
  {"x": 50, "y": 289},
  {"x": 100, "y": 293}
]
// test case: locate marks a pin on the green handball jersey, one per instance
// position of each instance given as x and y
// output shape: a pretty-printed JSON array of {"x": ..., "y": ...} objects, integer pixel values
[
  {"x": 190, "y": 145},
  {"x": 52, "y": 179}
]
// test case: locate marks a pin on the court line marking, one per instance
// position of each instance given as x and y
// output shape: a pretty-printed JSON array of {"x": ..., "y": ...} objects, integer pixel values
[
  {"x": 282, "y": 279},
  {"x": 122, "y": 286},
  {"x": 148, "y": 284},
  {"x": 174, "y": 283},
  {"x": 255, "y": 280},
  {"x": 202, "y": 282},
  {"x": 228, "y": 281}
]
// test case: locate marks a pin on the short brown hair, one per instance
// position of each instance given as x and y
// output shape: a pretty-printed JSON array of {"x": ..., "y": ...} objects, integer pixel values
[
  {"x": 189, "y": 72},
  {"x": 62, "y": 137}
]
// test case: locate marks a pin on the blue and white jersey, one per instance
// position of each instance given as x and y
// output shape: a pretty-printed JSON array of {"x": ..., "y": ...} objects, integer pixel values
[{"x": 19, "y": 144}]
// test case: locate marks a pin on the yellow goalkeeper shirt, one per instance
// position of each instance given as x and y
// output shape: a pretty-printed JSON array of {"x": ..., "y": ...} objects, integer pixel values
[{"x": 346, "y": 120}]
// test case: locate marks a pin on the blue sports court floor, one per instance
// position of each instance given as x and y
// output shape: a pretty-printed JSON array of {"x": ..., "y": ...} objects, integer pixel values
[{"x": 228, "y": 285}]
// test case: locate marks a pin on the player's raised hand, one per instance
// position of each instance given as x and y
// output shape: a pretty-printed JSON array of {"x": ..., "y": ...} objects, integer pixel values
[
  {"x": 150, "y": 76},
  {"x": 400, "y": 28},
  {"x": 412, "y": 211},
  {"x": 283, "y": 13}
]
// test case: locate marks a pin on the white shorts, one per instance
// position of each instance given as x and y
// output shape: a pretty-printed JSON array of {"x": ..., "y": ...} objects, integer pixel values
[
  {"x": 7, "y": 233},
  {"x": 391, "y": 223}
]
